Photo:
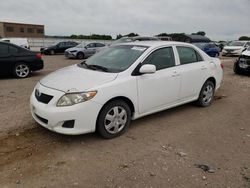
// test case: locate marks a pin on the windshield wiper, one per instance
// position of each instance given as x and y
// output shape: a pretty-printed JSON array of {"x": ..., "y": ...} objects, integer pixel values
[
  {"x": 94, "y": 67},
  {"x": 97, "y": 67}
]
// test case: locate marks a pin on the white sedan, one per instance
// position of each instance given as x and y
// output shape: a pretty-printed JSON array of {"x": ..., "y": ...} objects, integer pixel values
[{"x": 123, "y": 83}]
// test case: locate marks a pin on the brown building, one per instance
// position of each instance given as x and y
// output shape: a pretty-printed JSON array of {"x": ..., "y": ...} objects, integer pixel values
[{"x": 8, "y": 29}]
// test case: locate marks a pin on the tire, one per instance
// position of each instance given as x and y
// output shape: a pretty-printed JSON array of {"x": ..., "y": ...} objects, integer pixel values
[
  {"x": 114, "y": 119},
  {"x": 21, "y": 70},
  {"x": 52, "y": 52},
  {"x": 237, "y": 68},
  {"x": 206, "y": 96},
  {"x": 80, "y": 55}
]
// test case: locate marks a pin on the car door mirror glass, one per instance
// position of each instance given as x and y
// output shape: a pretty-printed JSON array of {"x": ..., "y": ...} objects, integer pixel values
[{"x": 147, "y": 69}]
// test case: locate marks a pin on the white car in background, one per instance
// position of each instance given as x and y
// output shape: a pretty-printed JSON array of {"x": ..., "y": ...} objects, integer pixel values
[
  {"x": 82, "y": 51},
  {"x": 122, "y": 83},
  {"x": 23, "y": 42},
  {"x": 235, "y": 48}
]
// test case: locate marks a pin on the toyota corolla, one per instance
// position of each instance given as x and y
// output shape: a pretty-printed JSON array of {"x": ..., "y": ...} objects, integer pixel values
[{"x": 122, "y": 83}]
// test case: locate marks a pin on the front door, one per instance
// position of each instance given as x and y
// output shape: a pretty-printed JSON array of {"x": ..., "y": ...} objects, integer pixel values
[{"x": 161, "y": 89}]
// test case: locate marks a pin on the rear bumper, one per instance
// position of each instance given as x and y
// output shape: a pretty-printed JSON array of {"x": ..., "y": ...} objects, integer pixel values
[{"x": 37, "y": 65}]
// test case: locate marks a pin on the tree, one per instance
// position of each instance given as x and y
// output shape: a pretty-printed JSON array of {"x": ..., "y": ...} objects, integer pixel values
[
  {"x": 244, "y": 38},
  {"x": 132, "y": 35},
  {"x": 202, "y": 33},
  {"x": 118, "y": 36}
]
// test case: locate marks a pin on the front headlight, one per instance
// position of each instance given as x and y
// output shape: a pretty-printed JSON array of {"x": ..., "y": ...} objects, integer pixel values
[
  {"x": 70, "y": 99},
  {"x": 73, "y": 51}
]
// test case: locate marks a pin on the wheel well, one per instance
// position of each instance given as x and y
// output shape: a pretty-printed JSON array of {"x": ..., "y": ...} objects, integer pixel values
[
  {"x": 212, "y": 79},
  {"x": 80, "y": 53},
  {"x": 125, "y": 99}
]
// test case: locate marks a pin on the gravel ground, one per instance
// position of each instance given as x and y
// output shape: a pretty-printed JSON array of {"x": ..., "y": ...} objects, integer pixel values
[{"x": 160, "y": 150}]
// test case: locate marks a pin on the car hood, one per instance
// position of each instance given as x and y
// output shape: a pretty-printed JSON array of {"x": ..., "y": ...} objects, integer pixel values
[
  {"x": 76, "y": 79},
  {"x": 233, "y": 47},
  {"x": 73, "y": 48},
  {"x": 246, "y": 53}
]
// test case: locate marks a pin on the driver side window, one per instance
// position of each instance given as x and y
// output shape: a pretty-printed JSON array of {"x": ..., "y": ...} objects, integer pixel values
[{"x": 161, "y": 58}]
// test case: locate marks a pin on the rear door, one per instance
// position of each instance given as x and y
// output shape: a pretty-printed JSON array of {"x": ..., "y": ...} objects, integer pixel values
[
  {"x": 194, "y": 72},
  {"x": 6, "y": 59}
]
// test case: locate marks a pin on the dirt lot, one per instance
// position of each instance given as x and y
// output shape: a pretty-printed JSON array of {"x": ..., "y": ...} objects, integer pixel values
[{"x": 161, "y": 150}]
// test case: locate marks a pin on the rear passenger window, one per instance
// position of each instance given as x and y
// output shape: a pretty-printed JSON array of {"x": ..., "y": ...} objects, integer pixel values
[
  {"x": 99, "y": 45},
  {"x": 188, "y": 55},
  {"x": 4, "y": 49},
  {"x": 162, "y": 58}
]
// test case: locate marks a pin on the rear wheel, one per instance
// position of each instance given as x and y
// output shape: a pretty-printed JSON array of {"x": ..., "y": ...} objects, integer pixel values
[
  {"x": 21, "y": 70},
  {"x": 114, "y": 119},
  {"x": 206, "y": 96},
  {"x": 80, "y": 55}
]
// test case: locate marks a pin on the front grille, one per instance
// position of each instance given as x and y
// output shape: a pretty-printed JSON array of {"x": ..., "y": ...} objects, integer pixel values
[
  {"x": 229, "y": 51},
  {"x": 42, "y": 119},
  {"x": 43, "y": 98}
]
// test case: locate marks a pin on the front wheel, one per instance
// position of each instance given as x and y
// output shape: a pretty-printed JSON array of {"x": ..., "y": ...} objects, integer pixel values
[
  {"x": 237, "y": 68},
  {"x": 80, "y": 55},
  {"x": 21, "y": 70},
  {"x": 114, "y": 119},
  {"x": 206, "y": 96},
  {"x": 52, "y": 52}
]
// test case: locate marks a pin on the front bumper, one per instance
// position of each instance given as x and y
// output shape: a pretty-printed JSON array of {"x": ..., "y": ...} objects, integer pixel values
[
  {"x": 69, "y": 54},
  {"x": 53, "y": 118},
  {"x": 231, "y": 53}
]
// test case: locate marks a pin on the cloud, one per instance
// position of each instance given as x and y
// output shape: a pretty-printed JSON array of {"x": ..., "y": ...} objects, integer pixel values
[{"x": 220, "y": 19}]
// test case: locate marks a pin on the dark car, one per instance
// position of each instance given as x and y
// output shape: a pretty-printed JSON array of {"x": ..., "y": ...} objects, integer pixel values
[
  {"x": 58, "y": 48},
  {"x": 18, "y": 61},
  {"x": 242, "y": 64},
  {"x": 210, "y": 48}
]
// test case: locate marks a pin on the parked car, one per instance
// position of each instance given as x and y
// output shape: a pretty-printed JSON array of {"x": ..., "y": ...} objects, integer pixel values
[
  {"x": 210, "y": 48},
  {"x": 242, "y": 64},
  {"x": 23, "y": 42},
  {"x": 58, "y": 48},
  {"x": 165, "y": 38},
  {"x": 83, "y": 51},
  {"x": 122, "y": 83},
  {"x": 235, "y": 48},
  {"x": 129, "y": 39},
  {"x": 18, "y": 61},
  {"x": 133, "y": 39}
]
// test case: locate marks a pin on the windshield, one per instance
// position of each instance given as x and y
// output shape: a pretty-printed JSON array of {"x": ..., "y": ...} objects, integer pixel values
[
  {"x": 200, "y": 45},
  {"x": 236, "y": 43},
  {"x": 114, "y": 59},
  {"x": 80, "y": 45}
]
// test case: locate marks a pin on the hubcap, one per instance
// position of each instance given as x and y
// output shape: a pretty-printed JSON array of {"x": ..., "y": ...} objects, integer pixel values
[
  {"x": 22, "y": 70},
  {"x": 208, "y": 94},
  {"x": 115, "y": 119}
]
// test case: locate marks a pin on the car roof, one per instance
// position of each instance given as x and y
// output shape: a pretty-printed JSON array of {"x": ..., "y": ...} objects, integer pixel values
[{"x": 155, "y": 43}]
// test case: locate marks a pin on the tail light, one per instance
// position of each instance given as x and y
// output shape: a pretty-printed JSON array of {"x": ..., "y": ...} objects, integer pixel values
[
  {"x": 222, "y": 66},
  {"x": 39, "y": 56}
]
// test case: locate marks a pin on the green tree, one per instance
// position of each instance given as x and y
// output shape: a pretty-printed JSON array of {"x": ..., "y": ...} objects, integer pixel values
[
  {"x": 202, "y": 33},
  {"x": 244, "y": 38}
]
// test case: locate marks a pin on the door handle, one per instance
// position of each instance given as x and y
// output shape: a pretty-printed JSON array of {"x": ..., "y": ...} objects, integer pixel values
[{"x": 175, "y": 74}]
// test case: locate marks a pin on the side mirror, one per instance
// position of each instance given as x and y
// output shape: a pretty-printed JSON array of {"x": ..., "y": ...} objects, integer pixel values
[{"x": 147, "y": 69}]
